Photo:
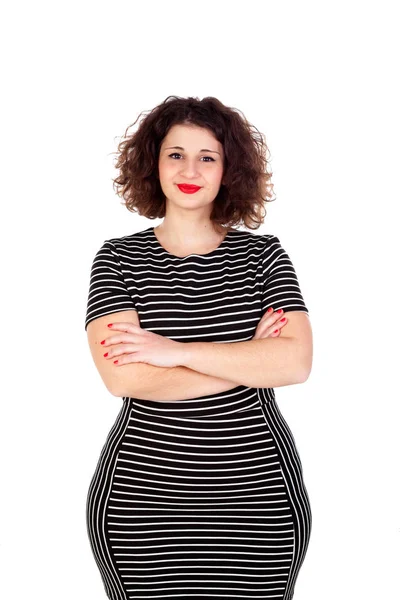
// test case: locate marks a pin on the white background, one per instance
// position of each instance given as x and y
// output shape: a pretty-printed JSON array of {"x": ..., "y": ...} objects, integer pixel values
[{"x": 320, "y": 80}]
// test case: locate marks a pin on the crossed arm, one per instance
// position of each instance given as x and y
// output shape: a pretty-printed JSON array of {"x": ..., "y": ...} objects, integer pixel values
[{"x": 213, "y": 368}]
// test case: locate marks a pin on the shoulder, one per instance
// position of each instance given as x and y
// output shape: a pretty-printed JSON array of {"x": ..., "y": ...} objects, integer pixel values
[
  {"x": 256, "y": 241},
  {"x": 266, "y": 246},
  {"x": 251, "y": 235},
  {"x": 130, "y": 237},
  {"x": 129, "y": 242}
]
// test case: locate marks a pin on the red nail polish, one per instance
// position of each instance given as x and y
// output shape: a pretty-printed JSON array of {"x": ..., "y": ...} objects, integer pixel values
[
  {"x": 115, "y": 361},
  {"x": 109, "y": 325},
  {"x": 106, "y": 354},
  {"x": 102, "y": 342},
  {"x": 282, "y": 320},
  {"x": 270, "y": 309},
  {"x": 276, "y": 330},
  {"x": 280, "y": 311}
]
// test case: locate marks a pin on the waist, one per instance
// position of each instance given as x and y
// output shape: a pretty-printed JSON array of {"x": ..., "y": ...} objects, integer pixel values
[{"x": 232, "y": 402}]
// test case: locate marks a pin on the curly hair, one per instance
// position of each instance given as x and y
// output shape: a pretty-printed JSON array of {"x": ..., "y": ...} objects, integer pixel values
[{"x": 240, "y": 199}]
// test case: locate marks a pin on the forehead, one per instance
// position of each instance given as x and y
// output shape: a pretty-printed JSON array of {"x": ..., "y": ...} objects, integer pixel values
[{"x": 191, "y": 137}]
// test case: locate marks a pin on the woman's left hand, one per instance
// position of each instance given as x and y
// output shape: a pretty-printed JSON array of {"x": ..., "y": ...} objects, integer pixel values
[{"x": 140, "y": 345}]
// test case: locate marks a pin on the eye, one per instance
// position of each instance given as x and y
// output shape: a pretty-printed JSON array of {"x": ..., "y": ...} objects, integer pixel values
[{"x": 177, "y": 154}]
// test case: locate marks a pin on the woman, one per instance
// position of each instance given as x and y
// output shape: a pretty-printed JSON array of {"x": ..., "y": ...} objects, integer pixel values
[{"x": 198, "y": 491}]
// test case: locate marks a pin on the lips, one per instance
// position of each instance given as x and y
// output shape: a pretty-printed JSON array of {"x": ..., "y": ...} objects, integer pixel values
[{"x": 188, "y": 189}]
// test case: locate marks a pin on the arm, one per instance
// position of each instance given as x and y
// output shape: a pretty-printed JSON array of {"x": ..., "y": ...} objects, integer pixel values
[
  {"x": 141, "y": 380},
  {"x": 260, "y": 363},
  {"x": 168, "y": 384},
  {"x": 267, "y": 362}
]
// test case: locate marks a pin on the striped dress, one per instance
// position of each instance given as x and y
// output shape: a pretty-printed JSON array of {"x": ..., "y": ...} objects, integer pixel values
[{"x": 201, "y": 498}]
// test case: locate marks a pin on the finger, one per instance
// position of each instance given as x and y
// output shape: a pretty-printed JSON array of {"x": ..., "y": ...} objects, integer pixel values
[
  {"x": 277, "y": 326},
  {"x": 119, "y": 351},
  {"x": 275, "y": 332},
  {"x": 273, "y": 316},
  {"x": 122, "y": 338},
  {"x": 126, "y": 359},
  {"x": 121, "y": 326},
  {"x": 280, "y": 323}
]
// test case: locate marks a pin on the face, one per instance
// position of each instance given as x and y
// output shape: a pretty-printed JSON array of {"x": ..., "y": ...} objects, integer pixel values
[{"x": 199, "y": 160}]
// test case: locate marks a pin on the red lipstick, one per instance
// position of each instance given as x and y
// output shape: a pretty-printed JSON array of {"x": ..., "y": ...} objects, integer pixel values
[{"x": 188, "y": 189}]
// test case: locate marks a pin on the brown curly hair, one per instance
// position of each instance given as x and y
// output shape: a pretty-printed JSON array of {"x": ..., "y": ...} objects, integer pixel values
[{"x": 246, "y": 186}]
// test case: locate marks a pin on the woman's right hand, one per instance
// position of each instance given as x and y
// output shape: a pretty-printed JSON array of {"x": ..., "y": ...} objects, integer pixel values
[{"x": 269, "y": 323}]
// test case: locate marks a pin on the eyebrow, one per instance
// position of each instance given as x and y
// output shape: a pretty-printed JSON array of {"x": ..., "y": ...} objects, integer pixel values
[{"x": 180, "y": 148}]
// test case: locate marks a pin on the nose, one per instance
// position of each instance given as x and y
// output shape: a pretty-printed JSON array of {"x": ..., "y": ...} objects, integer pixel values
[{"x": 190, "y": 168}]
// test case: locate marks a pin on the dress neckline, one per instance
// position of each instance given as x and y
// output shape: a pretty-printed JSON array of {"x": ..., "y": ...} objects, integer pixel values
[{"x": 193, "y": 253}]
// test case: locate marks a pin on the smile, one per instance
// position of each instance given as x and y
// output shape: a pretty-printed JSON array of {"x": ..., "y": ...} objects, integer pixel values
[{"x": 188, "y": 189}]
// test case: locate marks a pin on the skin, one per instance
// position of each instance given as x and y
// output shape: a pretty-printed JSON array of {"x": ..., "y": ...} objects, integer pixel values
[
  {"x": 187, "y": 227},
  {"x": 132, "y": 344}
]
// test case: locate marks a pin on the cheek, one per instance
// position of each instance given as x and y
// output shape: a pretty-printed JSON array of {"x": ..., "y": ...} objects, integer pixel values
[
  {"x": 217, "y": 176},
  {"x": 166, "y": 169}
]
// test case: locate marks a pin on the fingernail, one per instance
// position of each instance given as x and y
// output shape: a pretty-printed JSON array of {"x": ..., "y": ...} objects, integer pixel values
[
  {"x": 106, "y": 354},
  {"x": 276, "y": 330},
  {"x": 115, "y": 361},
  {"x": 282, "y": 320},
  {"x": 280, "y": 311},
  {"x": 270, "y": 309},
  {"x": 102, "y": 342},
  {"x": 109, "y": 325}
]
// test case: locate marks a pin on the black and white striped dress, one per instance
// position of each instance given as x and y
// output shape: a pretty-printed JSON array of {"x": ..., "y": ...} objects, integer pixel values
[{"x": 201, "y": 498}]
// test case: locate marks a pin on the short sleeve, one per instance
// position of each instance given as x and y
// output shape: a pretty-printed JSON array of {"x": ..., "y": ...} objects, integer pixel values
[
  {"x": 108, "y": 292},
  {"x": 281, "y": 287}
]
